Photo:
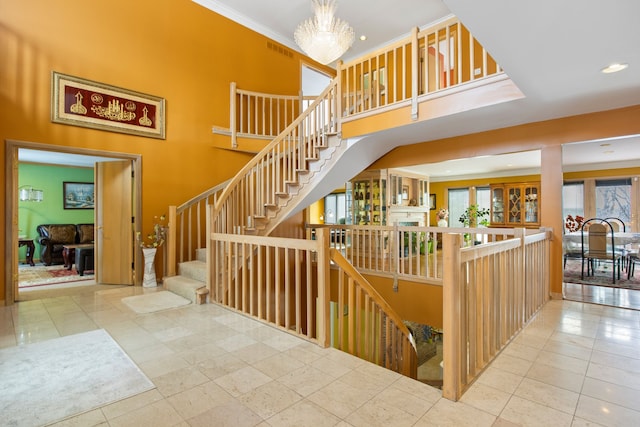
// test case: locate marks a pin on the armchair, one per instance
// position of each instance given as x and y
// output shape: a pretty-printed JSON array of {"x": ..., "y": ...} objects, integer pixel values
[{"x": 52, "y": 239}]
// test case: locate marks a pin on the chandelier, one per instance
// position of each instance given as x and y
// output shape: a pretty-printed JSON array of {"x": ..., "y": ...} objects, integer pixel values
[{"x": 324, "y": 37}]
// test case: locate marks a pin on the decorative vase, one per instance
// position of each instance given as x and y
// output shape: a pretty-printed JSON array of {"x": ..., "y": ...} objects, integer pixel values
[{"x": 149, "y": 279}]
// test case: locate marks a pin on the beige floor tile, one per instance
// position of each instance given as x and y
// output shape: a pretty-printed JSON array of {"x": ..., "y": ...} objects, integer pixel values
[
  {"x": 87, "y": 419},
  {"x": 621, "y": 362},
  {"x": 614, "y": 375},
  {"x": 548, "y": 395},
  {"x": 231, "y": 414},
  {"x": 614, "y": 393},
  {"x": 158, "y": 414},
  {"x": 269, "y": 399},
  {"x": 162, "y": 365},
  {"x": 514, "y": 365},
  {"x": 303, "y": 413},
  {"x": 305, "y": 380},
  {"x": 560, "y": 361},
  {"x": 605, "y": 413},
  {"x": 221, "y": 365},
  {"x": 254, "y": 353},
  {"x": 235, "y": 342},
  {"x": 242, "y": 381},
  {"x": 568, "y": 350},
  {"x": 383, "y": 412},
  {"x": 485, "y": 398},
  {"x": 447, "y": 413},
  {"x": 617, "y": 348},
  {"x": 528, "y": 413},
  {"x": 339, "y": 398},
  {"x": 197, "y": 400},
  {"x": 278, "y": 365},
  {"x": 499, "y": 379},
  {"x": 179, "y": 381},
  {"x": 521, "y": 351},
  {"x": 556, "y": 377},
  {"x": 573, "y": 339},
  {"x": 130, "y": 404}
]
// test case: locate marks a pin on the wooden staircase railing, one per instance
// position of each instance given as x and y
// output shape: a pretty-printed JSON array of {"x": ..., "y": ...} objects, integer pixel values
[
  {"x": 286, "y": 282},
  {"x": 367, "y": 326},
  {"x": 186, "y": 225},
  {"x": 272, "y": 178}
]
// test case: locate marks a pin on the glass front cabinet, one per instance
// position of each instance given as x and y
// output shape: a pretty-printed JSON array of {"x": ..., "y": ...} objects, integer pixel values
[
  {"x": 515, "y": 205},
  {"x": 382, "y": 197},
  {"x": 367, "y": 199}
]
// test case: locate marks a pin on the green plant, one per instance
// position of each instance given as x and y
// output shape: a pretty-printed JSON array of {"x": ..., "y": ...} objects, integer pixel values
[{"x": 475, "y": 216}]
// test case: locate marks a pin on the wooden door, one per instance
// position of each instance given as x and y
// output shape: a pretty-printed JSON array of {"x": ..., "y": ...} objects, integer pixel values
[{"x": 114, "y": 229}]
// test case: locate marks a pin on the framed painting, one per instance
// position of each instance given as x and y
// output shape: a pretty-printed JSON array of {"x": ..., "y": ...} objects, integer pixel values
[
  {"x": 81, "y": 102},
  {"x": 432, "y": 201},
  {"x": 78, "y": 195}
]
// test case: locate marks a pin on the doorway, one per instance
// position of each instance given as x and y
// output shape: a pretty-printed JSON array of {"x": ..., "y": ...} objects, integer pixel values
[{"x": 11, "y": 202}]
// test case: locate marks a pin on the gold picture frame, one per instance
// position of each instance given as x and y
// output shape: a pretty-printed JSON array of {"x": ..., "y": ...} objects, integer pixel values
[{"x": 81, "y": 102}]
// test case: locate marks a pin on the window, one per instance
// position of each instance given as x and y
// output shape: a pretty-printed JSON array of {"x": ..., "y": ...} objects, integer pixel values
[
  {"x": 335, "y": 209},
  {"x": 458, "y": 202},
  {"x": 573, "y": 199},
  {"x": 483, "y": 199},
  {"x": 613, "y": 199}
]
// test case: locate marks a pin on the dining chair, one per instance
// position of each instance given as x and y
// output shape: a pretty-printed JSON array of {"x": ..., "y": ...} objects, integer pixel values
[
  {"x": 633, "y": 257},
  {"x": 600, "y": 237}
]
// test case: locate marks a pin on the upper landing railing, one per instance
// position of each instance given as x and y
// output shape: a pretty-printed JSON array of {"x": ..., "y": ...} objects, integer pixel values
[{"x": 429, "y": 61}]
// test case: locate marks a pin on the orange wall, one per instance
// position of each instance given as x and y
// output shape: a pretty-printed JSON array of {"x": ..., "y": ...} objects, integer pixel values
[{"x": 177, "y": 50}]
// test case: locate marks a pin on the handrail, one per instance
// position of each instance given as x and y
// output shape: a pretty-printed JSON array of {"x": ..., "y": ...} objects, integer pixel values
[
  {"x": 400, "y": 252},
  {"x": 262, "y": 115},
  {"x": 285, "y": 282},
  {"x": 367, "y": 326},
  {"x": 269, "y": 176},
  {"x": 180, "y": 246},
  {"x": 425, "y": 62},
  {"x": 490, "y": 292}
]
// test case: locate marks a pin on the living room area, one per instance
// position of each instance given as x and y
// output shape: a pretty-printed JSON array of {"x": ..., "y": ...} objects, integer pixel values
[{"x": 56, "y": 225}]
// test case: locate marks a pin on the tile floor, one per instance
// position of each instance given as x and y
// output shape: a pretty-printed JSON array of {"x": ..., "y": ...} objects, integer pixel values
[{"x": 575, "y": 364}]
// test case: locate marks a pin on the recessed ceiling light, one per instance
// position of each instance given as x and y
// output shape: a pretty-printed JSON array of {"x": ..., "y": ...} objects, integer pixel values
[
  {"x": 363, "y": 37},
  {"x": 606, "y": 144},
  {"x": 614, "y": 68},
  {"x": 608, "y": 152}
]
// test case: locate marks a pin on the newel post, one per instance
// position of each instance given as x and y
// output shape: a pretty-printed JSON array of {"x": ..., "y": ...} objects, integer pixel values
[
  {"x": 232, "y": 116},
  {"x": 324, "y": 286},
  {"x": 453, "y": 317},
  {"x": 170, "y": 247}
]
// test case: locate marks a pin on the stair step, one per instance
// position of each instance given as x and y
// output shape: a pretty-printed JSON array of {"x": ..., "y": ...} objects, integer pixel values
[
  {"x": 201, "y": 254},
  {"x": 186, "y": 287},
  {"x": 196, "y": 270}
]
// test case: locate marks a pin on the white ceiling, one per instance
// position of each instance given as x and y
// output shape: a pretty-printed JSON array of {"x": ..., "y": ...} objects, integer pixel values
[{"x": 553, "y": 51}]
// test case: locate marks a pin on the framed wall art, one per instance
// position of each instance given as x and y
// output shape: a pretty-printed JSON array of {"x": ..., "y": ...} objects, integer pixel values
[
  {"x": 78, "y": 195},
  {"x": 81, "y": 102},
  {"x": 432, "y": 201}
]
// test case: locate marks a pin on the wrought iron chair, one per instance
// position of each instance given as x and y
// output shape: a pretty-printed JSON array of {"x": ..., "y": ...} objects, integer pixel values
[{"x": 600, "y": 240}]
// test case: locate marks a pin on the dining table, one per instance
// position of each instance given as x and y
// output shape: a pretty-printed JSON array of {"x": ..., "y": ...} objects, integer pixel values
[{"x": 621, "y": 238}]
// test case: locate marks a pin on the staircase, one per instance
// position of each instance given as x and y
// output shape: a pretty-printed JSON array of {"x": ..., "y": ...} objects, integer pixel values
[{"x": 191, "y": 281}]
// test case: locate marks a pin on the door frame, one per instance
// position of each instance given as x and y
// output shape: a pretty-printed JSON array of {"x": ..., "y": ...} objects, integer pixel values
[{"x": 11, "y": 204}]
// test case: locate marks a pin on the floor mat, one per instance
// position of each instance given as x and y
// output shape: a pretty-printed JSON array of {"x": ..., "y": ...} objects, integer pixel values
[
  {"x": 41, "y": 275},
  {"x": 51, "y": 380},
  {"x": 156, "y": 301}
]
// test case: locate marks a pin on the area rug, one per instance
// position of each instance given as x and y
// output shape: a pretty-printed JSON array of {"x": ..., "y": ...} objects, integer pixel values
[
  {"x": 155, "y": 301},
  {"x": 602, "y": 277},
  {"x": 51, "y": 380},
  {"x": 41, "y": 275}
]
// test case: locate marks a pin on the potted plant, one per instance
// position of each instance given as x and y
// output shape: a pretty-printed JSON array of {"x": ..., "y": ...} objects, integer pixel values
[{"x": 474, "y": 216}]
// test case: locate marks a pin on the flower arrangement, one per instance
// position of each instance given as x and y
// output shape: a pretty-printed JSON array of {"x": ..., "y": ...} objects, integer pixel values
[
  {"x": 573, "y": 224},
  {"x": 475, "y": 216},
  {"x": 157, "y": 237},
  {"x": 443, "y": 213}
]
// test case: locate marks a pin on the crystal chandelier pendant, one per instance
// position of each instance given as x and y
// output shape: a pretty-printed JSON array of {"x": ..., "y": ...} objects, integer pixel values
[{"x": 324, "y": 37}]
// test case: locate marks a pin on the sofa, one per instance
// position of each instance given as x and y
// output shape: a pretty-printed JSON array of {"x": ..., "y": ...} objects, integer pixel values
[{"x": 53, "y": 237}]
